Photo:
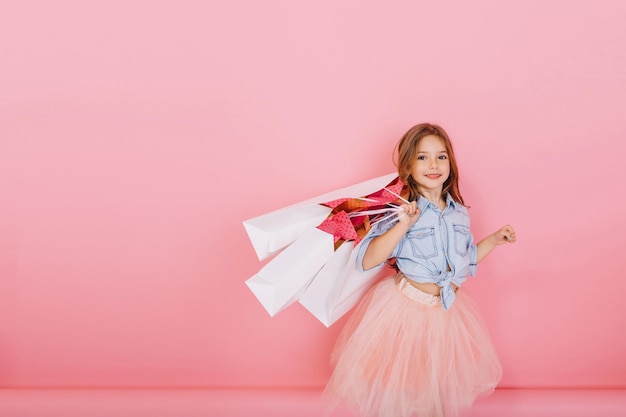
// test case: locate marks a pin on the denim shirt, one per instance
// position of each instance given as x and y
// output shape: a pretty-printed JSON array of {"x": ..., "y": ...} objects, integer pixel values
[{"x": 436, "y": 240}]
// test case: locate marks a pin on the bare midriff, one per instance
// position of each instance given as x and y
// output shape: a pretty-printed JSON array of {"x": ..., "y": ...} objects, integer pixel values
[{"x": 427, "y": 287}]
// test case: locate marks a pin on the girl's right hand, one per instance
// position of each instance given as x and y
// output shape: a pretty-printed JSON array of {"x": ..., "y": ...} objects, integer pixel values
[
  {"x": 381, "y": 247},
  {"x": 411, "y": 214}
]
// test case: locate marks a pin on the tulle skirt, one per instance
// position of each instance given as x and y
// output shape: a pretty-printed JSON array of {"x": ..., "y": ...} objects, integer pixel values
[{"x": 402, "y": 355}]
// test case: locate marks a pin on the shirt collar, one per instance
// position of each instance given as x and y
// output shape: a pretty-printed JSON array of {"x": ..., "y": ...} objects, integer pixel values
[
  {"x": 423, "y": 203},
  {"x": 450, "y": 201}
]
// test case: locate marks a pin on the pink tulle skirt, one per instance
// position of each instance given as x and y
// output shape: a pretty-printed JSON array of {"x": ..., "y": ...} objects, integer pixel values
[{"x": 401, "y": 355}]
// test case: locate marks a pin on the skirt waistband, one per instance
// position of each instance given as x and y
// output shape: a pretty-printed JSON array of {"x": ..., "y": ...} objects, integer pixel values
[{"x": 404, "y": 285}]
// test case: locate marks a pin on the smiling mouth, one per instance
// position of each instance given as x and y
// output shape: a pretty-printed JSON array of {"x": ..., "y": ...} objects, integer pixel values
[{"x": 433, "y": 176}]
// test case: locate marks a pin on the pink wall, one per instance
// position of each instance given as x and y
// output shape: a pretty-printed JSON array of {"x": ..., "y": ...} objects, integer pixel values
[{"x": 137, "y": 135}]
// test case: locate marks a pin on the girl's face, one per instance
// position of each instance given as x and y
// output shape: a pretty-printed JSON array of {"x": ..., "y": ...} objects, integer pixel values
[{"x": 432, "y": 166}]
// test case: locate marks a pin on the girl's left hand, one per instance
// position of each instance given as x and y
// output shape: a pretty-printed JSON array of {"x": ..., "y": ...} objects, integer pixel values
[{"x": 506, "y": 234}]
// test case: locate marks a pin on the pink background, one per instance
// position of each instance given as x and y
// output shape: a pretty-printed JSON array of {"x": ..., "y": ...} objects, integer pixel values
[{"x": 136, "y": 136}]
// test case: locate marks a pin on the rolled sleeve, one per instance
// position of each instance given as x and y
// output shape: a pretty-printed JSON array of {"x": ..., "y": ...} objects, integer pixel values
[
  {"x": 472, "y": 249},
  {"x": 473, "y": 256},
  {"x": 377, "y": 230}
]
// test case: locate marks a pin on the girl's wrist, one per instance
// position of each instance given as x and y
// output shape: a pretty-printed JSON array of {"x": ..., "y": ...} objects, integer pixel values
[{"x": 404, "y": 227}]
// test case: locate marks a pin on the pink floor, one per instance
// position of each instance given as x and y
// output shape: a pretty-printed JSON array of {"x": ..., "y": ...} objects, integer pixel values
[{"x": 281, "y": 403}]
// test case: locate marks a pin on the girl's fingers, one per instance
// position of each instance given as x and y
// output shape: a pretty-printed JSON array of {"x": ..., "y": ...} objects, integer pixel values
[
  {"x": 509, "y": 233},
  {"x": 411, "y": 211}
]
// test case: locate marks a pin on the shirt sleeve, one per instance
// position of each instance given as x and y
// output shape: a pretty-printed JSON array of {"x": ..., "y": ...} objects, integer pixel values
[
  {"x": 473, "y": 256},
  {"x": 472, "y": 251},
  {"x": 377, "y": 230}
]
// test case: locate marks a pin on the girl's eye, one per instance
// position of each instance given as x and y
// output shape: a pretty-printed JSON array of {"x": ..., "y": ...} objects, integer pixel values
[
  {"x": 421, "y": 157},
  {"x": 443, "y": 157}
]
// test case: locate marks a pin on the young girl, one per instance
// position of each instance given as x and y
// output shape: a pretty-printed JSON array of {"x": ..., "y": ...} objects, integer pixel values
[{"x": 415, "y": 345}]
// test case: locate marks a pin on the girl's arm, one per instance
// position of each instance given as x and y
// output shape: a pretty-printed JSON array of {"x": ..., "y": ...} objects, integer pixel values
[
  {"x": 506, "y": 234},
  {"x": 381, "y": 246}
]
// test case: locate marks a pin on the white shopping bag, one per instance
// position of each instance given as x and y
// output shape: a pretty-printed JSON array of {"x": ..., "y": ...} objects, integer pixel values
[
  {"x": 285, "y": 278},
  {"x": 271, "y": 232},
  {"x": 339, "y": 285}
]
